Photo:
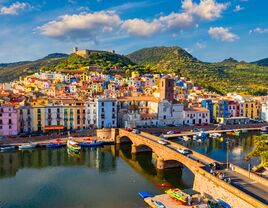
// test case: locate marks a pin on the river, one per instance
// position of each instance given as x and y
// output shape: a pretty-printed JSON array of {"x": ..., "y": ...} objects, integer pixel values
[{"x": 98, "y": 178}]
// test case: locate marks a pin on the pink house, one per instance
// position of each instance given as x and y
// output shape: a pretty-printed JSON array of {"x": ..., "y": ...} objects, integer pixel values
[{"x": 8, "y": 120}]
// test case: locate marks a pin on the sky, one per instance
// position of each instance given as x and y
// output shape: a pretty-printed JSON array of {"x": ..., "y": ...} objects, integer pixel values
[{"x": 211, "y": 30}]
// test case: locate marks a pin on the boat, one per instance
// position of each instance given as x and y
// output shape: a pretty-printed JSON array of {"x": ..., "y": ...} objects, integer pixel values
[
  {"x": 230, "y": 133},
  {"x": 264, "y": 130},
  {"x": 244, "y": 131},
  {"x": 186, "y": 138},
  {"x": 91, "y": 144},
  {"x": 5, "y": 148},
  {"x": 163, "y": 185},
  {"x": 180, "y": 138},
  {"x": 27, "y": 146},
  {"x": 178, "y": 195},
  {"x": 145, "y": 194},
  {"x": 236, "y": 133},
  {"x": 55, "y": 145},
  {"x": 223, "y": 203},
  {"x": 215, "y": 135},
  {"x": 201, "y": 135},
  {"x": 213, "y": 204},
  {"x": 158, "y": 203},
  {"x": 73, "y": 146}
]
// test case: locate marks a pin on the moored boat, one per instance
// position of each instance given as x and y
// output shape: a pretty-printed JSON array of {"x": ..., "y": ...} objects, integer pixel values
[
  {"x": 237, "y": 133},
  {"x": 186, "y": 138},
  {"x": 158, "y": 203},
  {"x": 178, "y": 195},
  {"x": 27, "y": 146},
  {"x": 215, "y": 135},
  {"x": 5, "y": 148},
  {"x": 163, "y": 185},
  {"x": 55, "y": 145},
  {"x": 73, "y": 146},
  {"x": 91, "y": 144},
  {"x": 264, "y": 130},
  {"x": 244, "y": 131}
]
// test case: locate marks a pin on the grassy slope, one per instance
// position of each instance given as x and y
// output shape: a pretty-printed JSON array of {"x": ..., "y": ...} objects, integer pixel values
[{"x": 223, "y": 77}]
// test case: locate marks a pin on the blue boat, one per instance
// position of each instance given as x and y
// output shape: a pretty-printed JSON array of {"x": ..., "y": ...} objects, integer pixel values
[
  {"x": 5, "y": 148},
  {"x": 54, "y": 145},
  {"x": 223, "y": 203},
  {"x": 158, "y": 204},
  {"x": 90, "y": 144},
  {"x": 264, "y": 130},
  {"x": 145, "y": 194}
]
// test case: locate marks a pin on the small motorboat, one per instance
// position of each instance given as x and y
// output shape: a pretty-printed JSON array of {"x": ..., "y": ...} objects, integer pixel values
[
  {"x": 264, "y": 130},
  {"x": 163, "y": 185},
  {"x": 186, "y": 138},
  {"x": 180, "y": 138},
  {"x": 6, "y": 148},
  {"x": 236, "y": 133},
  {"x": 178, "y": 195},
  {"x": 223, "y": 203},
  {"x": 53, "y": 145},
  {"x": 145, "y": 194},
  {"x": 91, "y": 144},
  {"x": 244, "y": 131},
  {"x": 201, "y": 135},
  {"x": 230, "y": 133},
  {"x": 158, "y": 203},
  {"x": 215, "y": 135},
  {"x": 73, "y": 146},
  {"x": 27, "y": 146}
]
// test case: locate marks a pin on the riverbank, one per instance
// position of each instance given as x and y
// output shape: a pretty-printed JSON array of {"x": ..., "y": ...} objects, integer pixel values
[{"x": 261, "y": 151}]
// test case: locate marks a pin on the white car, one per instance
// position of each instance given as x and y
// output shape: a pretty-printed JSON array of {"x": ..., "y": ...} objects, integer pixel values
[
  {"x": 170, "y": 132},
  {"x": 162, "y": 142},
  {"x": 184, "y": 151}
]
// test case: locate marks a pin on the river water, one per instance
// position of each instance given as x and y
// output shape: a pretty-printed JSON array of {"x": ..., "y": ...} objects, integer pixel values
[{"x": 98, "y": 178}]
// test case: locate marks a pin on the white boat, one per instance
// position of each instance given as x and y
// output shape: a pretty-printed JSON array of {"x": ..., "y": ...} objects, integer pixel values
[
  {"x": 215, "y": 135},
  {"x": 186, "y": 138},
  {"x": 27, "y": 146},
  {"x": 73, "y": 146}
]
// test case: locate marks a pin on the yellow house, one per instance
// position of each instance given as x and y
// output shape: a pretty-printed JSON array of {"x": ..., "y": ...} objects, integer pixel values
[
  {"x": 38, "y": 117},
  {"x": 252, "y": 109}
]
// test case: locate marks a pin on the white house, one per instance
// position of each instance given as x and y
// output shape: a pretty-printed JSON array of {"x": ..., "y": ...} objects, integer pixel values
[{"x": 196, "y": 115}]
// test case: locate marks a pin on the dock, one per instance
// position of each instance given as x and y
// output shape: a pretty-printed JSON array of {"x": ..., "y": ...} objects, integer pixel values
[
  {"x": 171, "y": 203},
  {"x": 210, "y": 132}
]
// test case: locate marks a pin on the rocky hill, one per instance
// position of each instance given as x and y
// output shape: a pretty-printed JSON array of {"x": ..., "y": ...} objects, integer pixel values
[{"x": 223, "y": 77}]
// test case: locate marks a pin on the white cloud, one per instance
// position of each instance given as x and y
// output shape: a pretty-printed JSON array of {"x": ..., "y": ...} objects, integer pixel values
[
  {"x": 238, "y": 8},
  {"x": 206, "y": 9},
  {"x": 14, "y": 9},
  {"x": 140, "y": 27},
  {"x": 259, "y": 30},
  {"x": 84, "y": 26},
  {"x": 177, "y": 20},
  {"x": 222, "y": 34}
]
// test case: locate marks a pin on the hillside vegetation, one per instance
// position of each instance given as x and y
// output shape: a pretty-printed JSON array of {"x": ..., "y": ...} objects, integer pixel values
[{"x": 223, "y": 77}]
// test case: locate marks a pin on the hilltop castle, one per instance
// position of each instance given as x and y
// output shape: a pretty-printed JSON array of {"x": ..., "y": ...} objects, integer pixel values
[{"x": 86, "y": 52}]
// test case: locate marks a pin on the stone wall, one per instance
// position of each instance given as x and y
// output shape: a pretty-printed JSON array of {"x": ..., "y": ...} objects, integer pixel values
[{"x": 208, "y": 186}]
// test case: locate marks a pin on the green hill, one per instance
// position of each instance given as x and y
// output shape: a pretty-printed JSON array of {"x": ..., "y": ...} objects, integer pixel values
[
  {"x": 223, "y": 77},
  {"x": 262, "y": 62}
]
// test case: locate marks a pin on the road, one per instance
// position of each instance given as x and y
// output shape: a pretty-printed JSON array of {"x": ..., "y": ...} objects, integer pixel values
[{"x": 239, "y": 181}]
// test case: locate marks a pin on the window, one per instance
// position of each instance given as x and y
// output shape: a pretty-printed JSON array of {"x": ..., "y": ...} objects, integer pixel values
[
  {"x": 102, "y": 103},
  {"x": 113, "y": 103}
]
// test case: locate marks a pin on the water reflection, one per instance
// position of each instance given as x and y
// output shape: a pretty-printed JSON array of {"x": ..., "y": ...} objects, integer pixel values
[{"x": 238, "y": 148}]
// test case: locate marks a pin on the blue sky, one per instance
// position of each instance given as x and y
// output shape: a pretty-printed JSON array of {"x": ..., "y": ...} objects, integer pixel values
[{"x": 211, "y": 30}]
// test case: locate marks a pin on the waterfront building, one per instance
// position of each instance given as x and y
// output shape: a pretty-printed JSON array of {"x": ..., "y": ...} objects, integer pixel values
[
  {"x": 25, "y": 119},
  {"x": 208, "y": 104},
  {"x": 106, "y": 112},
  {"x": 221, "y": 109},
  {"x": 8, "y": 120},
  {"x": 196, "y": 115}
]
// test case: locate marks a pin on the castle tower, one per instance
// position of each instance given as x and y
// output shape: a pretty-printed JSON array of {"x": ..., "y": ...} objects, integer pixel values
[
  {"x": 75, "y": 49},
  {"x": 167, "y": 89}
]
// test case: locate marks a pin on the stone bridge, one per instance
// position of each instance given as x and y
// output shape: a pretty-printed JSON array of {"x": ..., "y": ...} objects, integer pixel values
[{"x": 166, "y": 156}]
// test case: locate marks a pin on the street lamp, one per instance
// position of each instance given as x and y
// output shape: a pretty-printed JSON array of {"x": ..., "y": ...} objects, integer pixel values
[{"x": 227, "y": 156}]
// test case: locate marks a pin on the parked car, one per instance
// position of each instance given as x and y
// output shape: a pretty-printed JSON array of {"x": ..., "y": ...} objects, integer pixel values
[
  {"x": 129, "y": 129},
  {"x": 184, "y": 151},
  {"x": 215, "y": 166},
  {"x": 136, "y": 131},
  {"x": 163, "y": 142},
  {"x": 170, "y": 132}
]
